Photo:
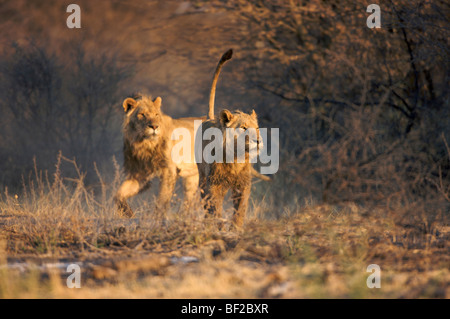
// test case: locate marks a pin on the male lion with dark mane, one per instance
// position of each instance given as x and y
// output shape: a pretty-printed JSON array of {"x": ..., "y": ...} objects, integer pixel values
[{"x": 147, "y": 154}]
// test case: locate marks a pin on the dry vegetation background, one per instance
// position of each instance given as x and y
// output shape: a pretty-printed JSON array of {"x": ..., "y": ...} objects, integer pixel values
[{"x": 364, "y": 124}]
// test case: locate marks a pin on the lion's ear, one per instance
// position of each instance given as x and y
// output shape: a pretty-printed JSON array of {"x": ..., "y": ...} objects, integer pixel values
[
  {"x": 157, "y": 102},
  {"x": 253, "y": 114},
  {"x": 129, "y": 104},
  {"x": 225, "y": 117}
]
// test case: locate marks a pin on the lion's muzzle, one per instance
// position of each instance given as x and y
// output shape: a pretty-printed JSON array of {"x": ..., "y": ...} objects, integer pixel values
[{"x": 152, "y": 130}]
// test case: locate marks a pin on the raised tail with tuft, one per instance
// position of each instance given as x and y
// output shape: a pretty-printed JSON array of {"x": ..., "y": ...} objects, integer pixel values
[{"x": 225, "y": 57}]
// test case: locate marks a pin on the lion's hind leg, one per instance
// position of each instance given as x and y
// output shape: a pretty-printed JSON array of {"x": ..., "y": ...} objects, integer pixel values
[{"x": 190, "y": 187}]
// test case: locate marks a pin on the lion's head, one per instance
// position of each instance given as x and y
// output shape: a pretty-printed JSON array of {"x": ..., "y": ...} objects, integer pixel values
[
  {"x": 244, "y": 126},
  {"x": 144, "y": 119}
]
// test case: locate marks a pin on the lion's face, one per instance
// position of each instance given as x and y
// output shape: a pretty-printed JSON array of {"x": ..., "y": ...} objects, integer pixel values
[
  {"x": 144, "y": 118},
  {"x": 245, "y": 126}
]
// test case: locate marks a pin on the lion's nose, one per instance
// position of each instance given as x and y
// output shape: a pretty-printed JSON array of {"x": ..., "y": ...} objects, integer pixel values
[{"x": 153, "y": 126}]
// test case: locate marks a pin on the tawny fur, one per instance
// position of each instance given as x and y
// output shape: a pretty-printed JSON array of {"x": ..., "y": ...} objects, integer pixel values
[
  {"x": 147, "y": 157},
  {"x": 216, "y": 179},
  {"x": 147, "y": 154}
]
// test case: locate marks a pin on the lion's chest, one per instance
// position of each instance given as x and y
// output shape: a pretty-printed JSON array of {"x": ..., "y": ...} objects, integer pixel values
[
  {"x": 230, "y": 175},
  {"x": 145, "y": 159}
]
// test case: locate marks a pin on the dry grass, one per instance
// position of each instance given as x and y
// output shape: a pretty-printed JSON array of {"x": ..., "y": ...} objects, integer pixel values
[{"x": 313, "y": 251}]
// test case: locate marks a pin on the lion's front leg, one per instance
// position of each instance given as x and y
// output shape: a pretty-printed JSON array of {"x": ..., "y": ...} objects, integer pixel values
[
  {"x": 240, "y": 200},
  {"x": 214, "y": 195},
  {"x": 166, "y": 188},
  {"x": 129, "y": 188}
]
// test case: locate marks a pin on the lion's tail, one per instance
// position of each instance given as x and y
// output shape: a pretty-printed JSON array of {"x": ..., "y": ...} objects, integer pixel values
[
  {"x": 225, "y": 57},
  {"x": 257, "y": 174}
]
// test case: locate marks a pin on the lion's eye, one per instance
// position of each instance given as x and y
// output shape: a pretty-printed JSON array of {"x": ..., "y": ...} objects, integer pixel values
[
  {"x": 140, "y": 116},
  {"x": 244, "y": 127}
]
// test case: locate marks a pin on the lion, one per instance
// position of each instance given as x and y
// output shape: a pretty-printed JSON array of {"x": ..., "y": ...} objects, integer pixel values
[
  {"x": 147, "y": 151},
  {"x": 217, "y": 178},
  {"x": 147, "y": 154}
]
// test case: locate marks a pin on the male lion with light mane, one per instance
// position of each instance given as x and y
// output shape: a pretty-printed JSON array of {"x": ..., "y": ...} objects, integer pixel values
[
  {"x": 217, "y": 178},
  {"x": 147, "y": 154}
]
